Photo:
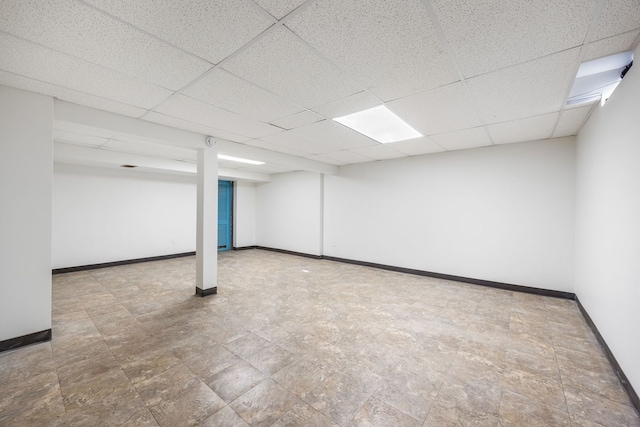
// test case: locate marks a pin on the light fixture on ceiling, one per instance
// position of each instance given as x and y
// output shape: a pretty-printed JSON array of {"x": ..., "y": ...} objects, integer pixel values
[
  {"x": 240, "y": 160},
  {"x": 597, "y": 79},
  {"x": 379, "y": 123}
]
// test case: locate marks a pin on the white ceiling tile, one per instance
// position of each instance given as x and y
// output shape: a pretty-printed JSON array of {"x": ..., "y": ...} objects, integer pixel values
[
  {"x": 525, "y": 90},
  {"x": 65, "y": 94},
  {"x": 378, "y": 152},
  {"x": 37, "y": 62},
  {"x": 299, "y": 143},
  {"x": 194, "y": 127},
  {"x": 617, "y": 17},
  {"x": 390, "y": 47},
  {"x": 440, "y": 110},
  {"x": 85, "y": 33},
  {"x": 321, "y": 158},
  {"x": 281, "y": 63},
  {"x": 346, "y": 157},
  {"x": 225, "y": 90},
  {"x": 490, "y": 35},
  {"x": 463, "y": 139},
  {"x": 77, "y": 138},
  {"x": 529, "y": 129},
  {"x": 417, "y": 146},
  {"x": 300, "y": 119},
  {"x": 349, "y": 105},
  {"x": 186, "y": 108},
  {"x": 571, "y": 121},
  {"x": 279, "y": 8},
  {"x": 152, "y": 149},
  {"x": 334, "y": 136},
  {"x": 275, "y": 147},
  {"x": 210, "y": 29},
  {"x": 611, "y": 45}
]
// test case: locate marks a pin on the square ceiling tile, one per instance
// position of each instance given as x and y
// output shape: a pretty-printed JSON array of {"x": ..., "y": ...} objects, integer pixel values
[
  {"x": 284, "y": 65},
  {"x": 299, "y": 143},
  {"x": 416, "y": 146},
  {"x": 571, "y": 121},
  {"x": 230, "y": 92},
  {"x": 320, "y": 158},
  {"x": 211, "y": 30},
  {"x": 492, "y": 34},
  {"x": 77, "y": 138},
  {"x": 194, "y": 127},
  {"x": 611, "y": 45},
  {"x": 37, "y": 62},
  {"x": 300, "y": 119},
  {"x": 275, "y": 147},
  {"x": 617, "y": 17},
  {"x": 529, "y": 129},
  {"x": 334, "y": 135},
  {"x": 70, "y": 95},
  {"x": 390, "y": 47},
  {"x": 349, "y": 105},
  {"x": 186, "y": 108},
  {"x": 379, "y": 152},
  {"x": 346, "y": 157},
  {"x": 463, "y": 139},
  {"x": 525, "y": 90},
  {"x": 83, "y": 32},
  {"x": 440, "y": 110},
  {"x": 279, "y": 8}
]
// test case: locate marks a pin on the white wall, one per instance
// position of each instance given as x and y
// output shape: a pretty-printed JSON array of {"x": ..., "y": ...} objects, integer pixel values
[
  {"x": 26, "y": 159},
  {"x": 244, "y": 211},
  {"x": 290, "y": 213},
  {"x": 501, "y": 213},
  {"x": 103, "y": 215},
  {"x": 608, "y": 222}
]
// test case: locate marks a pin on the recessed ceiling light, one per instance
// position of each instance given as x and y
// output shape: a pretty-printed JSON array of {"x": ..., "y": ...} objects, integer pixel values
[
  {"x": 379, "y": 123},
  {"x": 238, "y": 159},
  {"x": 598, "y": 78}
]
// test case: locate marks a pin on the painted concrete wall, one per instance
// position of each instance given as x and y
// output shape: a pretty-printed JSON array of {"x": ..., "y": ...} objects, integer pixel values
[
  {"x": 608, "y": 222},
  {"x": 26, "y": 162}
]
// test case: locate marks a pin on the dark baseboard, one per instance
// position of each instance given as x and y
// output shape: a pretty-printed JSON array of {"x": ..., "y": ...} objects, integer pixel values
[
  {"x": 117, "y": 263},
  {"x": 244, "y": 248},
  {"x": 18, "y": 342},
  {"x": 284, "y": 251},
  {"x": 499, "y": 285},
  {"x": 612, "y": 360},
  {"x": 206, "y": 292}
]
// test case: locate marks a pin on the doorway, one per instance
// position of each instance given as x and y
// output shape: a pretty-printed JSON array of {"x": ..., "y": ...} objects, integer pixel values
[{"x": 225, "y": 215}]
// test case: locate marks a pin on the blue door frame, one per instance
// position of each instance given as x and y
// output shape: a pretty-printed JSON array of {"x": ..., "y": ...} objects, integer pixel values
[{"x": 225, "y": 215}]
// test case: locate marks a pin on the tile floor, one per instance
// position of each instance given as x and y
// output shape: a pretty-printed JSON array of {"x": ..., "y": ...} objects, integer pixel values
[{"x": 291, "y": 341}]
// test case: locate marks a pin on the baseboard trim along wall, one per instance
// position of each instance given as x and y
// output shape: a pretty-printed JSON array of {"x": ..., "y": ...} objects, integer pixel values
[
  {"x": 29, "y": 339},
  {"x": 117, "y": 263},
  {"x": 284, "y": 251}
]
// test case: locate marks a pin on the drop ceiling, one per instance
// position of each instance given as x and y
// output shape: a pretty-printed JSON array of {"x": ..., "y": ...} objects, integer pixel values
[{"x": 268, "y": 76}]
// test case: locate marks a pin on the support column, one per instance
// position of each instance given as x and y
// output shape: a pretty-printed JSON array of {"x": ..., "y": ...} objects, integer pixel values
[{"x": 207, "y": 223}]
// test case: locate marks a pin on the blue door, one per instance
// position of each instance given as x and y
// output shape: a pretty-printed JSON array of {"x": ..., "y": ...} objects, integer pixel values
[{"x": 225, "y": 203}]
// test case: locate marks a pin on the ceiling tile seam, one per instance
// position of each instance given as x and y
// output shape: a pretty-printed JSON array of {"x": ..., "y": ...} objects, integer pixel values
[
  {"x": 140, "y": 30},
  {"x": 583, "y": 50},
  {"x": 262, "y": 11},
  {"x": 452, "y": 57},
  {"x": 276, "y": 24},
  {"x": 635, "y": 43}
]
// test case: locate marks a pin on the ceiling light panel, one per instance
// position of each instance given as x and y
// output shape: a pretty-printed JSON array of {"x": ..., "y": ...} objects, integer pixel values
[
  {"x": 279, "y": 8},
  {"x": 379, "y": 152},
  {"x": 70, "y": 95},
  {"x": 186, "y": 108},
  {"x": 350, "y": 104},
  {"x": 380, "y": 124},
  {"x": 390, "y": 47},
  {"x": 239, "y": 160},
  {"x": 225, "y": 90},
  {"x": 296, "y": 120},
  {"x": 211, "y": 30},
  {"x": 617, "y": 17},
  {"x": 529, "y": 129},
  {"x": 334, "y": 136},
  {"x": 463, "y": 139},
  {"x": 37, "y": 62},
  {"x": 281, "y": 63},
  {"x": 571, "y": 121},
  {"x": 416, "y": 147},
  {"x": 85, "y": 33},
  {"x": 489, "y": 35},
  {"x": 439, "y": 110},
  {"x": 528, "y": 89},
  {"x": 610, "y": 45},
  {"x": 194, "y": 127}
]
